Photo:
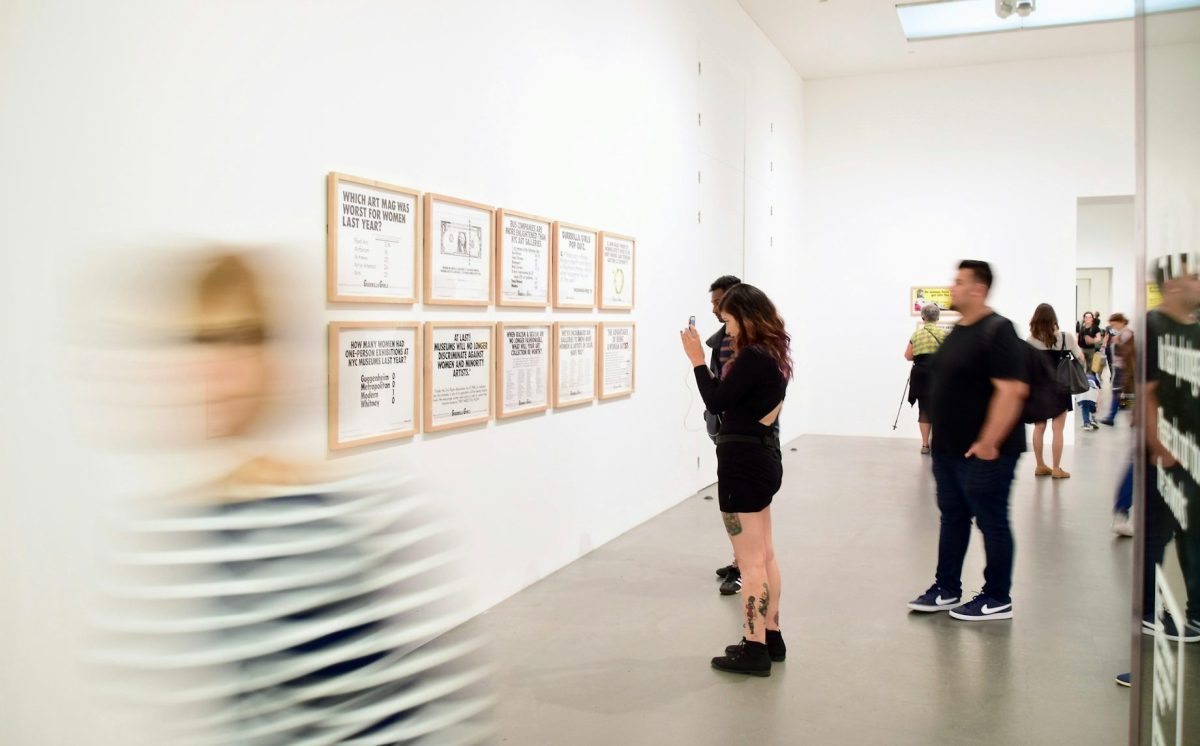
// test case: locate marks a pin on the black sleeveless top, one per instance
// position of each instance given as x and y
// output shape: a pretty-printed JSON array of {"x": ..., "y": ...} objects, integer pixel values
[{"x": 750, "y": 390}]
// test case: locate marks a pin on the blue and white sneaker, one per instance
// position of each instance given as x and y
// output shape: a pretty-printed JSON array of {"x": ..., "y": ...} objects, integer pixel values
[
  {"x": 1191, "y": 630},
  {"x": 935, "y": 599},
  {"x": 1124, "y": 679},
  {"x": 983, "y": 609}
]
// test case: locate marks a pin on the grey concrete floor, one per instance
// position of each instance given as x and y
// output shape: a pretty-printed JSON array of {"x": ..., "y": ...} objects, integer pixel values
[{"x": 615, "y": 648}]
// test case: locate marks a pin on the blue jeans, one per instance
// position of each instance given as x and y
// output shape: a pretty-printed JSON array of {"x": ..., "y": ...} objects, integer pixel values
[
  {"x": 1125, "y": 492},
  {"x": 974, "y": 488},
  {"x": 1089, "y": 411},
  {"x": 1118, "y": 382}
]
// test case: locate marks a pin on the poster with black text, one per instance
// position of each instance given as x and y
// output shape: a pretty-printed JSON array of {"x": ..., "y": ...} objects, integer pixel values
[
  {"x": 574, "y": 364},
  {"x": 616, "y": 272},
  {"x": 574, "y": 266},
  {"x": 372, "y": 241},
  {"x": 617, "y": 360},
  {"x": 373, "y": 381},
  {"x": 524, "y": 368},
  {"x": 458, "y": 374},
  {"x": 524, "y": 260}
]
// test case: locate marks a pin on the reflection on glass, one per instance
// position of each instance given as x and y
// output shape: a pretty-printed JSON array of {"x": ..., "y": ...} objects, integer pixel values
[{"x": 1168, "y": 675}]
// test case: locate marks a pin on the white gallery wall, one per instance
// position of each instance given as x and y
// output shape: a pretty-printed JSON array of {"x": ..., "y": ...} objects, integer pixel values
[
  {"x": 906, "y": 174},
  {"x": 148, "y": 128},
  {"x": 1106, "y": 238}
]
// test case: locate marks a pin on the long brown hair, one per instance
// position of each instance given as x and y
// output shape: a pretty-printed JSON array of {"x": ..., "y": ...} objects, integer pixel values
[
  {"x": 1044, "y": 324},
  {"x": 760, "y": 325}
]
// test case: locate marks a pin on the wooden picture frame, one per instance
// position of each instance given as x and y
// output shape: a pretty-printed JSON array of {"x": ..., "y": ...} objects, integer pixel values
[
  {"x": 432, "y": 338},
  {"x": 605, "y": 291},
  {"x": 502, "y": 266},
  {"x": 564, "y": 297},
  {"x": 556, "y": 377},
  {"x": 602, "y": 367},
  {"x": 337, "y": 354},
  {"x": 362, "y": 252},
  {"x": 502, "y": 353},
  {"x": 469, "y": 246}
]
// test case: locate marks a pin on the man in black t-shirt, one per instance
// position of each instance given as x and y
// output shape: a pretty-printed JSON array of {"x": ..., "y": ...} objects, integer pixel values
[
  {"x": 722, "y": 350},
  {"x": 980, "y": 382}
]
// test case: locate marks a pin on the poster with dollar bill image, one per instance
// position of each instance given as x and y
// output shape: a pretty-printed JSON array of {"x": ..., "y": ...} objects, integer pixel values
[
  {"x": 618, "y": 359},
  {"x": 574, "y": 253},
  {"x": 615, "y": 271},
  {"x": 574, "y": 364},
  {"x": 373, "y": 233},
  {"x": 459, "y": 236},
  {"x": 522, "y": 259},
  {"x": 459, "y": 365},
  {"x": 522, "y": 369},
  {"x": 373, "y": 381}
]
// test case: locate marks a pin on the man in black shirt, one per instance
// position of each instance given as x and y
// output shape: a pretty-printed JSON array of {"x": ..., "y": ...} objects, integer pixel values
[
  {"x": 722, "y": 349},
  {"x": 980, "y": 382}
]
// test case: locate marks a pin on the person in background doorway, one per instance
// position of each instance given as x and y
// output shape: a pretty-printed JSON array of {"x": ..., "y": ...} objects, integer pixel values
[
  {"x": 980, "y": 381},
  {"x": 1088, "y": 337},
  {"x": 1119, "y": 346},
  {"x": 750, "y": 396},
  {"x": 921, "y": 347},
  {"x": 721, "y": 346},
  {"x": 1047, "y": 339}
]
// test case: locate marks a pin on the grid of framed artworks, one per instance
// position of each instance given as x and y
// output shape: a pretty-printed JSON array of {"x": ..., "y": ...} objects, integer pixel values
[{"x": 390, "y": 380}]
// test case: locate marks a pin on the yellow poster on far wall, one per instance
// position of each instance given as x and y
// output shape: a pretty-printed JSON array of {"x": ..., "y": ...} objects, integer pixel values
[
  {"x": 929, "y": 295},
  {"x": 1153, "y": 295}
]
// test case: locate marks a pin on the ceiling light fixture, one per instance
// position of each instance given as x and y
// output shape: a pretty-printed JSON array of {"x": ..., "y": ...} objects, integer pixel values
[{"x": 1005, "y": 8}]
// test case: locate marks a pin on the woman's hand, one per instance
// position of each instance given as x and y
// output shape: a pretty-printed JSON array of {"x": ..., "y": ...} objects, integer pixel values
[{"x": 691, "y": 346}]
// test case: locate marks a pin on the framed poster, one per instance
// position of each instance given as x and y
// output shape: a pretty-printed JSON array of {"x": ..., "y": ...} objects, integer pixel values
[
  {"x": 574, "y": 266},
  {"x": 939, "y": 296},
  {"x": 615, "y": 271},
  {"x": 522, "y": 259},
  {"x": 373, "y": 377},
  {"x": 372, "y": 231},
  {"x": 522, "y": 369},
  {"x": 618, "y": 359},
  {"x": 458, "y": 251},
  {"x": 458, "y": 374},
  {"x": 574, "y": 364}
]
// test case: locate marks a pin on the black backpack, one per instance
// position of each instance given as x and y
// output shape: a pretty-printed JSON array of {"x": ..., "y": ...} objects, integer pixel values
[{"x": 1044, "y": 401}]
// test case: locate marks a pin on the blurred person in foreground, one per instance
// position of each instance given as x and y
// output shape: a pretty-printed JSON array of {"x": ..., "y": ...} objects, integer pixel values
[
  {"x": 281, "y": 602},
  {"x": 980, "y": 382}
]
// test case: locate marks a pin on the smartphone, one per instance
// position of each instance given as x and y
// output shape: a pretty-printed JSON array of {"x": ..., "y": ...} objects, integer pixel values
[{"x": 691, "y": 320}]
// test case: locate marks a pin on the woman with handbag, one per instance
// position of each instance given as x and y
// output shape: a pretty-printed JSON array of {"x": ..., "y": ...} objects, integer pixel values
[
  {"x": 921, "y": 347},
  {"x": 1047, "y": 339}
]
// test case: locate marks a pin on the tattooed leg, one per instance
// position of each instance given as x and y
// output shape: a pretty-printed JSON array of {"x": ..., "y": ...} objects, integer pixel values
[
  {"x": 764, "y": 603},
  {"x": 733, "y": 524},
  {"x": 750, "y": 616}
]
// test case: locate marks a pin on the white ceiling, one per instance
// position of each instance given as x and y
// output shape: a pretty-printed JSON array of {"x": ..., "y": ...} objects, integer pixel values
[{"x": 836, "y": 38}]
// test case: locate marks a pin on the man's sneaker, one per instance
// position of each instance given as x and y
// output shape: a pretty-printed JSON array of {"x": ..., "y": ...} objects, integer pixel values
[
  {"x": 776, "y": 649},
  {"x": 723, "y": 571},
  {"x": 747, "y": 657},
  {"x": 1124, "y": 679},
  {"x": 1122, "y": 524},
  {"x": 733, "y": 582},
  {"x": 983, "y": 609},
  {"x": 1191, "y": 630},
  {"x": 935, "y": 599}
]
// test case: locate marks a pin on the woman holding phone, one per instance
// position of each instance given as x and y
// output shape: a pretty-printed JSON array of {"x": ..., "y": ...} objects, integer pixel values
[{"x": 750, "y": 396}]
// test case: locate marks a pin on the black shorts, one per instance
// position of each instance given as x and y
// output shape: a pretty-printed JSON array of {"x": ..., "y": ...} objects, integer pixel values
[{"x": 748, "y": 476}]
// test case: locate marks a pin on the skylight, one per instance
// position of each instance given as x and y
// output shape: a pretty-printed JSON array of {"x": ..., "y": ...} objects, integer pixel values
[{"x": 933, "y": 19}]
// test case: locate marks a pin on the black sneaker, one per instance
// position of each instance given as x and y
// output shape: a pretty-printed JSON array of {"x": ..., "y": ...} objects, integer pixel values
[
  {"x": 935, "y": 599},
  {"x": 723, "y": 571},
  {"x": 733, "y": 582},
  {"x": 1191, "y": 630},
  {"x": 747, "y": 657},
  {"x": 1124, "y": 679},
  {"x": 983, "y": 609},
  {"x": 776, "y": 649}
]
